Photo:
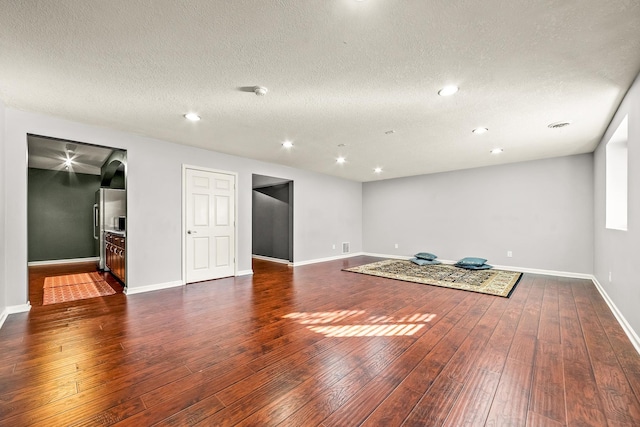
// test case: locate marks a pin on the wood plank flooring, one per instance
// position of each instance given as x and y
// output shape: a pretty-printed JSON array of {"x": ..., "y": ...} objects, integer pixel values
[{"x": 314, "y": 345}]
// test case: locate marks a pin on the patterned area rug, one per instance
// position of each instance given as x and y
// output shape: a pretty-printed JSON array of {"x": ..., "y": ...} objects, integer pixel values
[
  {"x": 72, "y": 279},
  {"x": 74, "y": 287},
  {"x": 492, "y": 282}
]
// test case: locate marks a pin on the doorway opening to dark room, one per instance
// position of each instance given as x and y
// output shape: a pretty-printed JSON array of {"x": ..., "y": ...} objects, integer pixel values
[{"x": 272, "y": 219}]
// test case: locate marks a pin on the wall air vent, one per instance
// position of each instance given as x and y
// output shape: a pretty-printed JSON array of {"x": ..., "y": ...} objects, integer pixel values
[
  {"x": 345, "y": 247},
  {"x": 558, "y": 125}
]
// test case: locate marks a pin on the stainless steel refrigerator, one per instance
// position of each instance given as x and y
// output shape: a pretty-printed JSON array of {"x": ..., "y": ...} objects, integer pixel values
[{"x": 111, "y": 204}]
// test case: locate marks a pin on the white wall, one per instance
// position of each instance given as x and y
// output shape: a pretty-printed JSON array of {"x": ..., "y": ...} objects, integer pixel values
[
  {"x": 540, "y": 210},
  {"x": 616, "y": 251},
  {"x": 327, "y": 210},
  {"x": 3, "y": 281}
]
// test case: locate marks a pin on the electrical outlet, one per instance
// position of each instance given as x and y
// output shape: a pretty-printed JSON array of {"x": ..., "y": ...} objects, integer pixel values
[
  {"x": 396, "y": 245},
  {"x": 509, "y": 254}
]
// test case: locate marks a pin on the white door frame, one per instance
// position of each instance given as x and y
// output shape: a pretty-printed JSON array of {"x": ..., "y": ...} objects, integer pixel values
[{"x": 184, "y": 216}]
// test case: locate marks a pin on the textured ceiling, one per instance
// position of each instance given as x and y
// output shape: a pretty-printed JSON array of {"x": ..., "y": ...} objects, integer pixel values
[{"x": 338, "y": 72}]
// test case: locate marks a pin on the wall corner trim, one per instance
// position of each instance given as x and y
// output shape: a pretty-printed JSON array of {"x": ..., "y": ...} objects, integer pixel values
[
  {"x": 155, "y": 287},
  {"x": 631, "y": 334},
  {"x": 12, "y": 309}
]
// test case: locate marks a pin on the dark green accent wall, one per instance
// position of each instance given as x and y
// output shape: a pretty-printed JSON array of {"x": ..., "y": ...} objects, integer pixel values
[{"x": 60, "y": 215}]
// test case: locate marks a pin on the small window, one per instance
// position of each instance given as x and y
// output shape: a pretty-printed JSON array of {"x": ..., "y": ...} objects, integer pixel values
[{"x": 616, "y": 176}]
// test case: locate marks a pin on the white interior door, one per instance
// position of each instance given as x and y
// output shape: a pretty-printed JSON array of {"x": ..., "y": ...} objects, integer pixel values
[{"x": 210, "y": 225}]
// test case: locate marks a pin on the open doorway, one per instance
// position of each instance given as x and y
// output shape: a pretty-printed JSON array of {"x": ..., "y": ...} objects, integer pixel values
[
  {"x": 72, "y": 238},
  {"x": 272, "y": 217}
]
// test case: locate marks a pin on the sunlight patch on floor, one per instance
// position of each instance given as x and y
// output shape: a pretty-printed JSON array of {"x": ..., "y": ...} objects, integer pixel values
[{"x": 329, "y": 323}]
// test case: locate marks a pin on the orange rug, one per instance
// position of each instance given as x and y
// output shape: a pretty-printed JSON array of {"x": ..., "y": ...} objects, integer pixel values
[
  {"x": 72, "y": 279},
  {"x": 75, "y": 292}
]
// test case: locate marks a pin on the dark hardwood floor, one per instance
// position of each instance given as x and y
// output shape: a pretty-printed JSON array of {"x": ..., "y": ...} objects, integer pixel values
[{"x": 314, "y": 345}]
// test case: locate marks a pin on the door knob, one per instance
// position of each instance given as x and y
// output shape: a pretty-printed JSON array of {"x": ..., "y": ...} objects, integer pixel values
[{"x": 191, "y": 232}]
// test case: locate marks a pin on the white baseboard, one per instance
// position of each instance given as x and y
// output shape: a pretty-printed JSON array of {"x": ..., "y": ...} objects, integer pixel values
[
  {"x": 333, "y": 258},
  {"x": 167, "y": 285},
  {"x": 502, "y": 267},
  {"x": 22, "y": 308},
  {"x": 150, "y": 288},
  {"x": 244, "y": 273},
  {"x": 545, "y": 272},
  {"x": 63, "y": 261},
  {"x": 12, "y": 309},
  {"x": 633, "y": 337},
  {"x": 266, "y": 258},
  {"x": 392, "y": 256}
]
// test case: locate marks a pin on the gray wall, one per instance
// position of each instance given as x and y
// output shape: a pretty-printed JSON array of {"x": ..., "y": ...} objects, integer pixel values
[
  {"x": 60, "y": 215},
  {"x": 3, "y": 278},
  {"x": 540, "y": 210},
  {"x": 617, "y": 251},
  {"x": 328, "y": 210},
  {"x": 271, "y": 221}
]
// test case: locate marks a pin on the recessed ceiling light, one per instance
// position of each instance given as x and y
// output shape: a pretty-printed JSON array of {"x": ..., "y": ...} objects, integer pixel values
[
  {"x": 68, "y": 162},
  {"x": 287, "y": 144},
  {"x": 377, "y": 170},
  {"x": 192, "y": 117},
  {"x": 558, "y": 125},
  {"x": 448, "y": 90},
  {"x": 479, "y": 131},
  {"x": 341, "y": 160},
  {"x": 497, "y": 151}
]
